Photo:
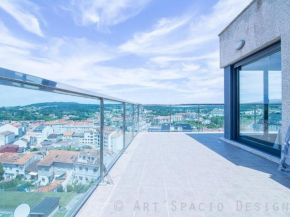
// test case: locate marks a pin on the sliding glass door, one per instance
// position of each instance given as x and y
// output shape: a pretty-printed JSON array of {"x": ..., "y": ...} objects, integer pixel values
[{"x": 260, "y": 102}]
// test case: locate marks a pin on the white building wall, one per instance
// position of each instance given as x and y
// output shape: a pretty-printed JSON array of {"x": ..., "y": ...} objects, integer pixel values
[
  {"x": 9, "y": 127},
  {"x": 86, "y": 174},
  {"x": 7, "y": 139}
]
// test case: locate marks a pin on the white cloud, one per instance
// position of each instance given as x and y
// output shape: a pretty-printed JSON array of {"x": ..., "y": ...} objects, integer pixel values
[
  {"x": 185, "y": 34},
  {"x": 178, "y": 57},
  {"x": 7, "y": 39},
  {"x": 27, "y": 20},
  {"x": 190, "y": 67},
  {"x": 105, "y": 13},
  {"x": 188, "y": 45},
  {"x": 167, "y": 60}
]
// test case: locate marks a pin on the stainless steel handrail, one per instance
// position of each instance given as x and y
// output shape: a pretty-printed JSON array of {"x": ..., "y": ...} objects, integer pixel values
[{"x": 12, "y": 78}]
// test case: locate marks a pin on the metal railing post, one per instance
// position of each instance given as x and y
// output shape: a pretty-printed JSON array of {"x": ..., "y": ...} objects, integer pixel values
[
  {"x": 133, "y": 119},
  {"x": 138, "y": 119},
  {"x": 170, "y": 112},
  {"x": 255, "y": 114},
  {"x": 124, "y": 126},
  {"x": 198, "y": 117},
  {"x": 102, "y": 140}
]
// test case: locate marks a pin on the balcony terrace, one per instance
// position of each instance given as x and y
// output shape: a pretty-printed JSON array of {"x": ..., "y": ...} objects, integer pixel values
[
  {"x": 66, "y": 151},
  {"x": 190, "y": 174}
]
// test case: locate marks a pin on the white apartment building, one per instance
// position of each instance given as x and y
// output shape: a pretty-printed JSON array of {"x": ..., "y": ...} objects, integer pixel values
[
  {"x": 15, "y": 164},
  {"x": 114, "y": 142},
  {"x": 16, "y": 128},
  {"x": 42, "y": 132},
  {"x": 7, "y": 137},
  {"x": 68, "y": 136},
  {"x": 56, "y": 163},
  {"x": 167, "y": 119},
  {"x": 58, "y": 127},
  {"x": 90, "y": 138},
  {"x": 77, "y": 127},
  {"x": 86, "y": 167},
  {"x": 22, "y": 143}
]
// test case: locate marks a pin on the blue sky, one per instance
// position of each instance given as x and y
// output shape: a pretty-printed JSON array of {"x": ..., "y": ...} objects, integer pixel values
[{"x": 140, "y": 50}]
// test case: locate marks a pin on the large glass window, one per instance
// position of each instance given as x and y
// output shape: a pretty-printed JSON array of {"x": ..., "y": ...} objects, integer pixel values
[{"x": 260, "y": 102}]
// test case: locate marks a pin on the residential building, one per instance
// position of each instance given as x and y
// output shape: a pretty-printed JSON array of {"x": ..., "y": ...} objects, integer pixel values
[
  {"x": 68, "y": 136},
  {"x": 78, "y": 138},
  {"x": 176, "y": 117},
  {"x": 31, "y": 137},
  {"x": 54, "y": 137},
  {"x": 7, "y": 137},
  {"x": 57, "y": 126},
  {"x": 15, "y": 164},
  {"x": 89, "y": 138},
  {"x": 254, "y": 52},
  {"x": 52, "y": 187},
  {"x": 78, "y": 127},
  {"x": 86, "y": 167},
  {"x": 171, "y": 128},
  {"x": 42, "y": 132},
  {"x": 161, "y": 119},
  {"x": 115, "y": 142},
  {"x": 46, "y": 208},
  {"x": 15, "y": 127},
  {"x": 188, "y": 115},
  {"x": 167, "y": 119},
  {"x": 22, "y": 142},
  {"x": 46, "y": 145},
  {"x": 31, "y": 172},
  {"x": 9, "y": 148},
  {"x": 180, "y": 128},
  {"x": 54, "y": 164}
]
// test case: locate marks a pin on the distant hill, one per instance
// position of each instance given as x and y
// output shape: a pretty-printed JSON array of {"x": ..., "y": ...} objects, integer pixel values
[
  {"x": 49, "y": 111},
  {"x": 59, "y": 104}
]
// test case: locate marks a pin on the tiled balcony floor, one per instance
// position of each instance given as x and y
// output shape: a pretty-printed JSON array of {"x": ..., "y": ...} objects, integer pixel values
[{"x": 174, "y": 174}]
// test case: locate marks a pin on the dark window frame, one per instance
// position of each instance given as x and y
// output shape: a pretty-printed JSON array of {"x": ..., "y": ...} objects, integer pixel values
[{"x": 276, "y": 47}]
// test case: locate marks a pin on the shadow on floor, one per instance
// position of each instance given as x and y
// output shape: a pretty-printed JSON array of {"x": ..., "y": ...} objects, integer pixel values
[{"x": 242, "y": 158}]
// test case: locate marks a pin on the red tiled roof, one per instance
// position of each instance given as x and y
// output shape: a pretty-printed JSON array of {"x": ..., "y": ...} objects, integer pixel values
[
  {"x": 50, "y": 187},
  {"x": 68, "y": 133},
  {"x": 59, "y": 156},
  {"x": 14, "y": 158}
]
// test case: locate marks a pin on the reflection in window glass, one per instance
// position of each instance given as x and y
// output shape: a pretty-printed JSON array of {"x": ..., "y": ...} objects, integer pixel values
[
  {"x": 260, "y": 101},
  {"x": 249, "y": 92}
]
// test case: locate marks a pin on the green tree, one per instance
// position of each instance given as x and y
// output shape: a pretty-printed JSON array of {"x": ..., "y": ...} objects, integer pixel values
[
  {"x": 1, "y": 172},
  {"x": 60, "y": 188},
  {"x": 69, "y": 188}
]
